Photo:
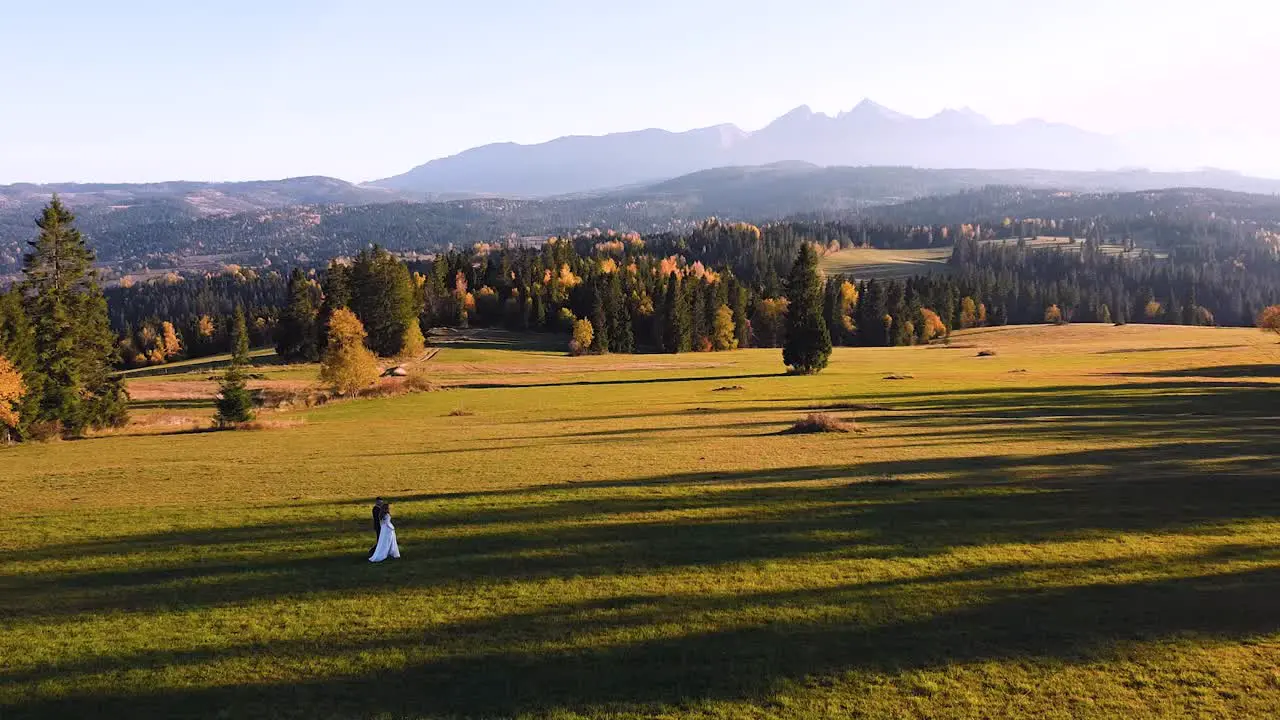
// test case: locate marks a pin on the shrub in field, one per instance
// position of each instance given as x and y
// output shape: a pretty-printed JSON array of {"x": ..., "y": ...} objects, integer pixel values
[
  {"x": 348, "y": 366},
  {"x": 821, "y": 423}
]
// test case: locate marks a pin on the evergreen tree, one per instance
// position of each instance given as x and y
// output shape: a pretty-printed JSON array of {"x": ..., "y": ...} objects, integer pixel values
[
  {"x": 808, "y": 344},
  {"x": 600, "y": 324},
  {"x": 382, "y": 296},
  {"x": 621, "y": 337},
  {"x": 73, "y": 342},
  {"x": 337, "y": 295},
  {"x": 235, "y": 404},
  {"x": 675, "y": 321},
  {"x": 738, "y": 304},
  {"x": 296, "y": 333}
]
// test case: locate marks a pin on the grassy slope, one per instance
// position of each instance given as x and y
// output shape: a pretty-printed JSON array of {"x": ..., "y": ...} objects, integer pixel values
[{"x": 1093, "y": 537}]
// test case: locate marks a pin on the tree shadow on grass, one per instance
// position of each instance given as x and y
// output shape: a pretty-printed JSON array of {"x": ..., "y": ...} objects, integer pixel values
[
  {"x": 620, "y": 654},
  {"x": 518, "y": 663}
]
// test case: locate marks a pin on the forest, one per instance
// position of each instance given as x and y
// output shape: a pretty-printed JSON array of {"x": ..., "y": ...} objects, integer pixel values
[{"x": 723, "y": 284}]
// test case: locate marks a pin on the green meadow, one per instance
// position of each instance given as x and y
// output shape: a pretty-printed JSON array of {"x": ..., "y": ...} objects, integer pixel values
[{"x": 1085, "y": 524}]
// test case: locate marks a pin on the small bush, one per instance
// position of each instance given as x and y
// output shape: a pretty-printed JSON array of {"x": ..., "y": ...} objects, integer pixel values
[
  {"x": 821, "y": 423},
  {"x": 418, "y": 380},
  {"x": 900, "y": 376},
  {"x": 986, "y": 353},
  {"x": 45, "y": 431},
  {"x": 728, "y": 388},
  {"x": 459, "y": 412}
]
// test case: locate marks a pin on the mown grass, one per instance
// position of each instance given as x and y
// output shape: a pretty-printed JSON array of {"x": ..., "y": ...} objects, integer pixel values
[
  {"x": 1094, "y": 537},
  {"x": 867, "y": 263}
]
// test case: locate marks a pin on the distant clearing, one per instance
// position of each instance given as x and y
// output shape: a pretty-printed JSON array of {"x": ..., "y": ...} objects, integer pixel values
[{"x": 875, "y": 263}]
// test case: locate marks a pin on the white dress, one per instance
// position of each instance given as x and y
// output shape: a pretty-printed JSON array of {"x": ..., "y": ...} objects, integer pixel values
[{"x": 387, "y": 546}]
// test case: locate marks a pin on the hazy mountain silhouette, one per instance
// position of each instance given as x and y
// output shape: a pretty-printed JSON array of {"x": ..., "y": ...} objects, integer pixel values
[{"x": 869, "y": 134}]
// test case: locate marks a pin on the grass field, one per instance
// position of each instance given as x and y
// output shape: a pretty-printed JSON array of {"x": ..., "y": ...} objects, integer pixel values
[
  {"x": 1086, "y": 525},
  {"x": 869, "y": 263}
]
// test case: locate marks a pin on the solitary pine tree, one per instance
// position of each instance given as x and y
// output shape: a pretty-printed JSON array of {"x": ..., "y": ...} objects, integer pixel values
[
  {"x": 808, "y": 344},
  {"x": 235, "y": 404},
  {"x": 296, "y": 334},
  {"x": 73, "y": 342}
]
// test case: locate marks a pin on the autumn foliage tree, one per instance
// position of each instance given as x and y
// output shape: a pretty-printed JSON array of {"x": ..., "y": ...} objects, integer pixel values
[
  {"x": 347, "y": 366},
  {"x": 1053, "y": 315},
  {"x": 583, "y": 337},
  {"x": 12, "y": 390},
  {"x": 1269, "y": 319},
  {"x": 723, "y": 332}
]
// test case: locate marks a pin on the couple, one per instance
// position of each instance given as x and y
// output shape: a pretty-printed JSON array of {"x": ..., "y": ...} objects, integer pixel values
[{"x": 385, "y": 532}]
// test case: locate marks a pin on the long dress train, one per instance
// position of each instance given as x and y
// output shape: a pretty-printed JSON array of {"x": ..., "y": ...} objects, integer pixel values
[{"x": 387, "y": 545}]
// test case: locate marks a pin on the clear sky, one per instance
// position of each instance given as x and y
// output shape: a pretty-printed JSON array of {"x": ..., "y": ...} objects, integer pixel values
[{"x": 143, "y": 90}]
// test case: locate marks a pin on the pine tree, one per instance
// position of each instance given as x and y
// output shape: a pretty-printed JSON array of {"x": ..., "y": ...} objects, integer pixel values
[
  {"x": 296, "y": 334},
  {"x": 621, "y": 336},
  {"x": 738, "y": 303},
  {"x": 337, "y": 295},
  {"x": 808, "y": 344},
  {"x": 382, "y": 296},
  {"x": 675, "y": 320},
  {"x": 600, "y": 324},
  {"x": 235, "y": 404},
  {"x": 74, "y": 345}
]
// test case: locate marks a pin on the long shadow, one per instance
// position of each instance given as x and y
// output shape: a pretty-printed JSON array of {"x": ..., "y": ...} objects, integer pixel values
[
  {"x": 641, "y": 381},
  {"x": 1213, "y": 371},
  {"x": 1207, "y": 462},
  {"x": 470, "y": 674}
]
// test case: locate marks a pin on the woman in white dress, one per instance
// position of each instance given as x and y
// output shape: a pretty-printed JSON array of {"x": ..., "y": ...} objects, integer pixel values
[{"x": 387, "y": 545}]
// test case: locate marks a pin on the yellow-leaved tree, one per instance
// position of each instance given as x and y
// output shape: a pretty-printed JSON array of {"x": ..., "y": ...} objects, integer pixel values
[
  {"x": 12, "y": 391},
  {"x": 583, "y": 335},
  {"x": 931, "y": 326},
  {"x": 347, "y": 366},
  {"x": 723, "y": 334}
]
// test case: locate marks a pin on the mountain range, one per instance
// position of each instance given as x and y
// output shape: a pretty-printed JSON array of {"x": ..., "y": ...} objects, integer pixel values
[{"x": 868, "y": 135}]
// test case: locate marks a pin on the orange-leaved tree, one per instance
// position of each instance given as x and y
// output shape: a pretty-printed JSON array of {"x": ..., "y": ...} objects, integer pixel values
[
  {"x": 1269, "y": 319},
  {"x": 12, "y": 390}
]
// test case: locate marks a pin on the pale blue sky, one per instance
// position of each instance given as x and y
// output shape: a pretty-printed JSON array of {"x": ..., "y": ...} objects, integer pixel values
[{"x": 138, "y": 90}]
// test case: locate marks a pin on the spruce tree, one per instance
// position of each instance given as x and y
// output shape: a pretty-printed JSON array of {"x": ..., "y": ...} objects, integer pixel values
[
  {"x": 675, "y": 320},
  {"x": 808, "y": 344},
  {"x": 621, "y": 335},
  {"x": 235, "y": 404},
  {"x": 738, "y": 303},
  {"x": 382, "y": 296},
  {"x": 296, "y": 334},
  {"x": 73, "y": 343},
  {"x": 600, "y": 324},
  {"x": 337, "y": 295}
]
